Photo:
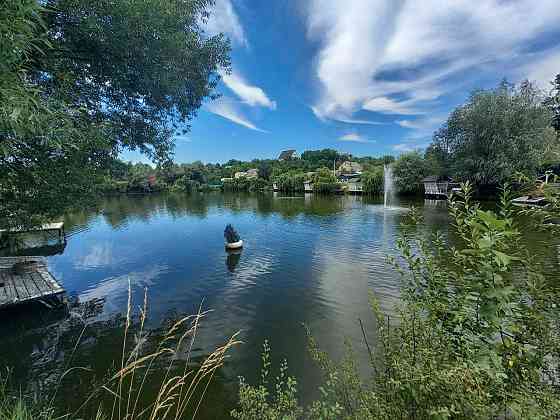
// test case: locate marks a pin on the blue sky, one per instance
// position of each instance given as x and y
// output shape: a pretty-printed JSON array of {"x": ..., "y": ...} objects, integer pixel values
[{"x": 369, "y": 77}]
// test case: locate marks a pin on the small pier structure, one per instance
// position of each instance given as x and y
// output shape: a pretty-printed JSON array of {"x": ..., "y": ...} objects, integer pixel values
[
  {"x": 438, "y": 187},
  {"x": 27, "y": 279},
  {"x": 47, "y": 227}
]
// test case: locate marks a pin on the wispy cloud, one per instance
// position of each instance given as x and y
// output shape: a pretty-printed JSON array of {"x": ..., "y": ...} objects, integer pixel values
[
  {"x": 223, "y": 19},
  {"x": 409, "y": 147},
  {"x": 229, "y": 109},
  {"x": 182, "y": 139},
  {"x": 355, "y": 137},
  {"x": 251, "y": 95},
  {"x": 422, "y": 127},
  {"x": 401, "y": 57},
  {"x": 543, "y": 67}
]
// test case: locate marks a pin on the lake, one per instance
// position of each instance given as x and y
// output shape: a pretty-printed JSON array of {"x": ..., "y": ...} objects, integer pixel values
[{"x": 309, "y": 260}]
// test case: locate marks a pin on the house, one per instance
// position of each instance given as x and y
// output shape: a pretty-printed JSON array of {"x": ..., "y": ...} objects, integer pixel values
[
  {"x": 287, "y": 155},
  {"x": 250, "y": 174},
  {"x": 438, "y": 186},
  {"x": 349, "y": 167}
]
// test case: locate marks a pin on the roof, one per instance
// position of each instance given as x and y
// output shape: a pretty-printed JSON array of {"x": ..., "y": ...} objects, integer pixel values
[{"x": 286, "y": 154}]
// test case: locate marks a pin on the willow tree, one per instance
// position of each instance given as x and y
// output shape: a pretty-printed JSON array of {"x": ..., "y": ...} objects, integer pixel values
[
  {"x": 495, "y": 134},
  {"x": 81, "y": 80}
]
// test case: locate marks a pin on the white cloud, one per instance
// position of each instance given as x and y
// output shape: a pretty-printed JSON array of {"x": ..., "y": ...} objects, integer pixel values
[
  {"x": 386, "y": 105},
  {"x": 230, "y": 110},
  {"x": 224, "y": 19},
  {"x": 425, "y": 47},
  {"x": 423, "y": 126},
  {"x": 182, "y": 139},
  {"x": 251, "y": 95},
  {"x": 354, "y": 137},
  {"x": 543, "y": 67},
  {"x": 409, "y": 147}
]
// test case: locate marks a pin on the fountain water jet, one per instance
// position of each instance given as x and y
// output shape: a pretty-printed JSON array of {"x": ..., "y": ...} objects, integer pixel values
[{"x": 388, "y": 185}]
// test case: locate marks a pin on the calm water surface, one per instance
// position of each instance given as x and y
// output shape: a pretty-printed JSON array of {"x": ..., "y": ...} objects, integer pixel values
[{"x": 307, "y": 260}]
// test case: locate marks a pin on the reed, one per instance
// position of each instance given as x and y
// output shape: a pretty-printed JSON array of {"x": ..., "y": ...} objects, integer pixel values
[{"x": 180, "y": 384}]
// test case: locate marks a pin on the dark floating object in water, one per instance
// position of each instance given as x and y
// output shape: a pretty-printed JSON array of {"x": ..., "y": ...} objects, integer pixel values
[{"x": 233, "y": 241}]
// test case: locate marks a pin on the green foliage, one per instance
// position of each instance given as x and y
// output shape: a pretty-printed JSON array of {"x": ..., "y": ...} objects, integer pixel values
[
  {"x": 245, "y": 184},
  {"x": 477, "y": 334},
  {"x": 324, "y": 181},
  {"x": 80, "y": 80},
  {"x": 553, "y": 104},
  {"x": 409, "y": 170},
  {"x": 372, "y": 181},
  {"x": 325, "y": 157},
  {"x": 261, "y": 403},
  {"x": 482, "y": 140},
  {"x": 137, "y": 65},
  {"x": 290, "y": 181},
  {"x": 15, "y": 407}
]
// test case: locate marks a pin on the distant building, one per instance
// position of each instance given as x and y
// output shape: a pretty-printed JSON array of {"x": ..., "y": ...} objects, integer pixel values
[
  {"x": 287, "y": 155},
  {"x": 251, "y": 173},
  {"x": 226, "y": 179},
  {"x": 349, "y": 167}
]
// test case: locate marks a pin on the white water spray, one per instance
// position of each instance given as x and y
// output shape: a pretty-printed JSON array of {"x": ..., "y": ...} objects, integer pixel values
[{"x": 388, "y": 185}]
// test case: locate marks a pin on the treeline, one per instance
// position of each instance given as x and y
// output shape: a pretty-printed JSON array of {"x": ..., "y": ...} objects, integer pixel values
[
  {"x": 495, "y": 137},
  {"x": 289, "y": 175}
]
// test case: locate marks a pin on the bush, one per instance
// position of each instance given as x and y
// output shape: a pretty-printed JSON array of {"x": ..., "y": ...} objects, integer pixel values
[
  {"x": 290, "y": 182},
  {"x": 409, "y": 170},
  {"x": 372, "y": 181},
  {"x": 324, "y": 181}
]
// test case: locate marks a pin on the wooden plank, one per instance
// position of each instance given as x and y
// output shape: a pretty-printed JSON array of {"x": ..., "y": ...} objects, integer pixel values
[
  {"x": 31, "y": 286},
  {"x": 5, "y": 296},
  {"x": 9, "y": 288},
  {"x": 40, "y": 283},
  {"x": 42, "y": 228},
  {"x": 27, "y": 286},
  {"x": 20, "y": 287},
  {"x": 55, "y": 286}
]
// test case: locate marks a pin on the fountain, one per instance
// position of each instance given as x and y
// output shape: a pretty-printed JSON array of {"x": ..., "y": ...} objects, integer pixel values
[{"x": 388, "y": 185}]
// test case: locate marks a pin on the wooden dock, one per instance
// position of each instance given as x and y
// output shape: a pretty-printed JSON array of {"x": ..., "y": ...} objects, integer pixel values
[
  {"x": 35, "y": 284},
  {"x": 48, "y": 227}
]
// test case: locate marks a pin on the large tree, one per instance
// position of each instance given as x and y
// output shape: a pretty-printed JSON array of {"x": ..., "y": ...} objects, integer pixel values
[
  {"x": 81, "y": 80},
  {"x": 495, "y": 134},
  {"x": 553, "y": 103}
]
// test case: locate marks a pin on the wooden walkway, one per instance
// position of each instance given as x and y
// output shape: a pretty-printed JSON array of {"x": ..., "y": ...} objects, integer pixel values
[
  {"x": 48, "y": 227},
  {"x": 35, "y": 285}
]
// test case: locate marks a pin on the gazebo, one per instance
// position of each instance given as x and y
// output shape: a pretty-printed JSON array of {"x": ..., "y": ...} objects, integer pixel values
[{"x": 438, "y": 186}]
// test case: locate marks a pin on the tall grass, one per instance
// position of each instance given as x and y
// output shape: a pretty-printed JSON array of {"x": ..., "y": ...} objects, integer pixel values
[{"x": 128, "y": 392}]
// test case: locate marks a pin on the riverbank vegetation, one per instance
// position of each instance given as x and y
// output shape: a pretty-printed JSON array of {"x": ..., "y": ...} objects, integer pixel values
[
  {"x": 290, "y": 175},
  {"x": 476, "y": 335},
  {"x": 156, "y": 377}
]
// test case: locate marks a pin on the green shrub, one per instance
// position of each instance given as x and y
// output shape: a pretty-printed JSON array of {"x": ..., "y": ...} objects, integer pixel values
[
  {"x": 290, "y": 181},
  {"x": 324, "y": 181},
  {"x": 372, "y": 181},
  {"x": 409, "y": 170}
]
